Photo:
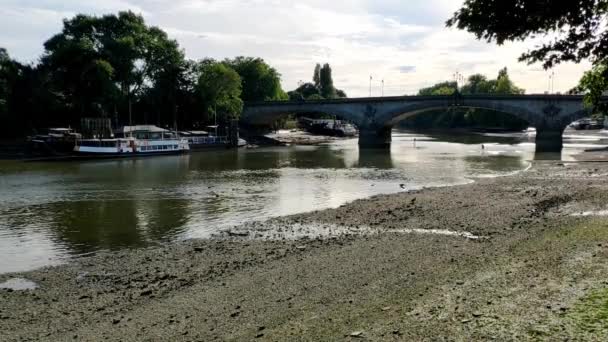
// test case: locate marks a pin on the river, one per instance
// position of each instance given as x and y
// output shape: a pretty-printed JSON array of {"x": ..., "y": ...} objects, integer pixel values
[{"x": 53, "y": 212}]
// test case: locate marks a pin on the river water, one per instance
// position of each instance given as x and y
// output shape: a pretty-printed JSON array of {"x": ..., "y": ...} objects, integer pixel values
[{"x": 52, "y": 212}]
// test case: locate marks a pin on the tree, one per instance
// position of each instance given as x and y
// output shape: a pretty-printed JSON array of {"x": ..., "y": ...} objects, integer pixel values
[
  {"x": 578, "y": 25},
  {"x": 316, "y": 77},
  {"x": 594, "y": 83},
  {"x": 443, "y": 88},
  {"x": 261, "y": 82},
  {"x": 470, "y": 117},
  {"x": 578, "y": 28},
  {"x": 478, "y": 84},
  {"x": 220, "y": 89},
  {"x": 304, "y": 91},
  {"x": 341, "y": 94},
  {"x": 504, "y": 85},
  {"x": 326, "y": 84},
  {"x": 109, "y": 59},
  {"x": 6, "y": 74}
]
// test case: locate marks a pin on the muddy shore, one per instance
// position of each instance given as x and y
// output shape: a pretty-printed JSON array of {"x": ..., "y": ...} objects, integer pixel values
[{"x": 523, "y": 257}]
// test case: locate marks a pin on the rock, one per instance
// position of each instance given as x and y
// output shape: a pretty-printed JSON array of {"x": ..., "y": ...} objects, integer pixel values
[
  {"x": 356, "y": 334},
  {"x": 460, "y": 282},
  {"x": 386, "y": 308},
  {"x": 259, "y": 335},
  {"x": 235, "y": 314},
  {"x": 477, "y": 314},
  {"x": 115, "y": 320},
  {"x": 235, "y": 233},
  {"x": 464, "y": 321},
  {"x": 301, "y": 247},
  {"x": 145, "y": 292}
]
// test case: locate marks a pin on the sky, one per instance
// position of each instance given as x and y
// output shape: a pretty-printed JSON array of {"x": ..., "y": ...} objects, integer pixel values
[{"x": 403, "y": 42}]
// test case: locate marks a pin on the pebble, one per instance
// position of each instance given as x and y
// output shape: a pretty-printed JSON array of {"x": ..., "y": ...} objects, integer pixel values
[{"x": 356, "y": 334}]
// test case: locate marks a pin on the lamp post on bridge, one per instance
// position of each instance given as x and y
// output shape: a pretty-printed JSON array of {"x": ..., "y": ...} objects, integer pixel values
[
  {"x": 370, "y": 85},
  {"x": 382, "y": 88},
  {"x": 458, "y": 77}
]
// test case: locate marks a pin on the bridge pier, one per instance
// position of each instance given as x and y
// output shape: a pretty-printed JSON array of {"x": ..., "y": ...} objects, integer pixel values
[
  {"x": 549, "y": 139},
  {"x": 375, "y": 138}
]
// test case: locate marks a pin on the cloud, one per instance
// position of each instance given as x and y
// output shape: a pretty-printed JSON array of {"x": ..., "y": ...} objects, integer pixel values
[
  {"x": 403, "y": 43},
  {"x": 406, "y": 69}
]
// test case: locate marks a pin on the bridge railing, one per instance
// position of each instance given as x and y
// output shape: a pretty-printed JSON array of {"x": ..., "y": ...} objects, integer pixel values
[{"x": 545, "y": 97}]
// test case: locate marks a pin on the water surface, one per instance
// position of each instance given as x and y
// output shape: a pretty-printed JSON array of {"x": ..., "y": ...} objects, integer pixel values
[{"x": 50, "y": 212}]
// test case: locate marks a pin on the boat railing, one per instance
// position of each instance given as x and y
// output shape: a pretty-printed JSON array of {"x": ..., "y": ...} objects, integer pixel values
[
  {"x": 96, "y": 143},
  {"x": 208, "y": 140}
]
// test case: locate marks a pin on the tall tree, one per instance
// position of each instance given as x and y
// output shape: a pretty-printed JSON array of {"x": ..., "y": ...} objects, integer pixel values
[
  {"x": 504, "y": 85},
  {"x": 220, "y": 88},
  {"x": 113, "y": 50},
  {"x": 6, "y": 72},
  {"x": 261, "y": 82},
  {"x": 327, "y": 88},
  {"x": 316, "y": 76}
]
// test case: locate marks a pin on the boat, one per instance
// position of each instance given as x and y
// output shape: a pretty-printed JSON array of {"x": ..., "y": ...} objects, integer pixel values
[
  {"x": 199, "y": 140},
  {"x": 57, "y": 141},
  {"x": 587, "y": 124},
  {"x": 337, "y": 128},
  {"x": 138, "y": 140}
]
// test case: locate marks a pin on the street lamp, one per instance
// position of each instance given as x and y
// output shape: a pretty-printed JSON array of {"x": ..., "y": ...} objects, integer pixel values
[
  {"x": 370, "y": 85},
  {"x": 458, "y": 77},
  {"x": 382, "y": 88}
]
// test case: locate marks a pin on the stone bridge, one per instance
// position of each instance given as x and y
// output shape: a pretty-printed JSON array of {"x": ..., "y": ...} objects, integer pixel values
[{"x": 375, "y": 117}]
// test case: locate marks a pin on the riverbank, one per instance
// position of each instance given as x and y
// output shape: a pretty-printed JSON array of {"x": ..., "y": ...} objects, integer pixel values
[{"x": 523, "y": 257}]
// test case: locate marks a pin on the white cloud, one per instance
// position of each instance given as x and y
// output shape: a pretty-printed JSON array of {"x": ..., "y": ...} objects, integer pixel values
[{"x": 357, "y": 37}]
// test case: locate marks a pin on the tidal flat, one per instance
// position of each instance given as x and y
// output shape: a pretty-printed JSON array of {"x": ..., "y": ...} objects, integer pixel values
[{"x": 535, "y": 272}]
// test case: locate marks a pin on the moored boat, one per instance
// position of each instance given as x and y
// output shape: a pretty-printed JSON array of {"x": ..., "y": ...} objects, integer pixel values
[
  {"x": 56, "y": 142},
  {"x": 140, "y": 140}
]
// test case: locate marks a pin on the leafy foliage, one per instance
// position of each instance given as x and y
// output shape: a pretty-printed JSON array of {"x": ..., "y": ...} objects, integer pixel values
[
  {"x": 116, "y": 66},
  {"x": 261, "y": 82},
  {"x": 577, "y": 27},
  {"x": 476, "y": 84},
  {"x": 316, "y": 77},
  {"x": 322, "y": 86},
  {"x": 595, "y": 83},
  {"x": 578, "y": 24},
  {"x": 220, "y": 89},
  {"x": 443, "y": 88},
  {"x": 326, "y": 86},
  {"x": 469, "y": 117}
]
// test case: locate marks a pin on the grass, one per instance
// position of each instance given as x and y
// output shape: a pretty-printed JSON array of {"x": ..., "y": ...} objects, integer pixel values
[{"x": 590, "y": 315}]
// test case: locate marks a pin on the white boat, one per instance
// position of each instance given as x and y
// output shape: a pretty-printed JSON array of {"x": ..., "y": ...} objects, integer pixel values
[{"x": 140, "y": 140}]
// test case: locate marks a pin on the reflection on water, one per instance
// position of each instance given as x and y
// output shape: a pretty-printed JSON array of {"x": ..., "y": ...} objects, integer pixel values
[{"x": 53, "y": 211}]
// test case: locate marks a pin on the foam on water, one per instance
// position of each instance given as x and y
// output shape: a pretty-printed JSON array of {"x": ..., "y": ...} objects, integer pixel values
[
  {"x": 274, "y": 231},
  {"x": 591, "y": 213}
]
